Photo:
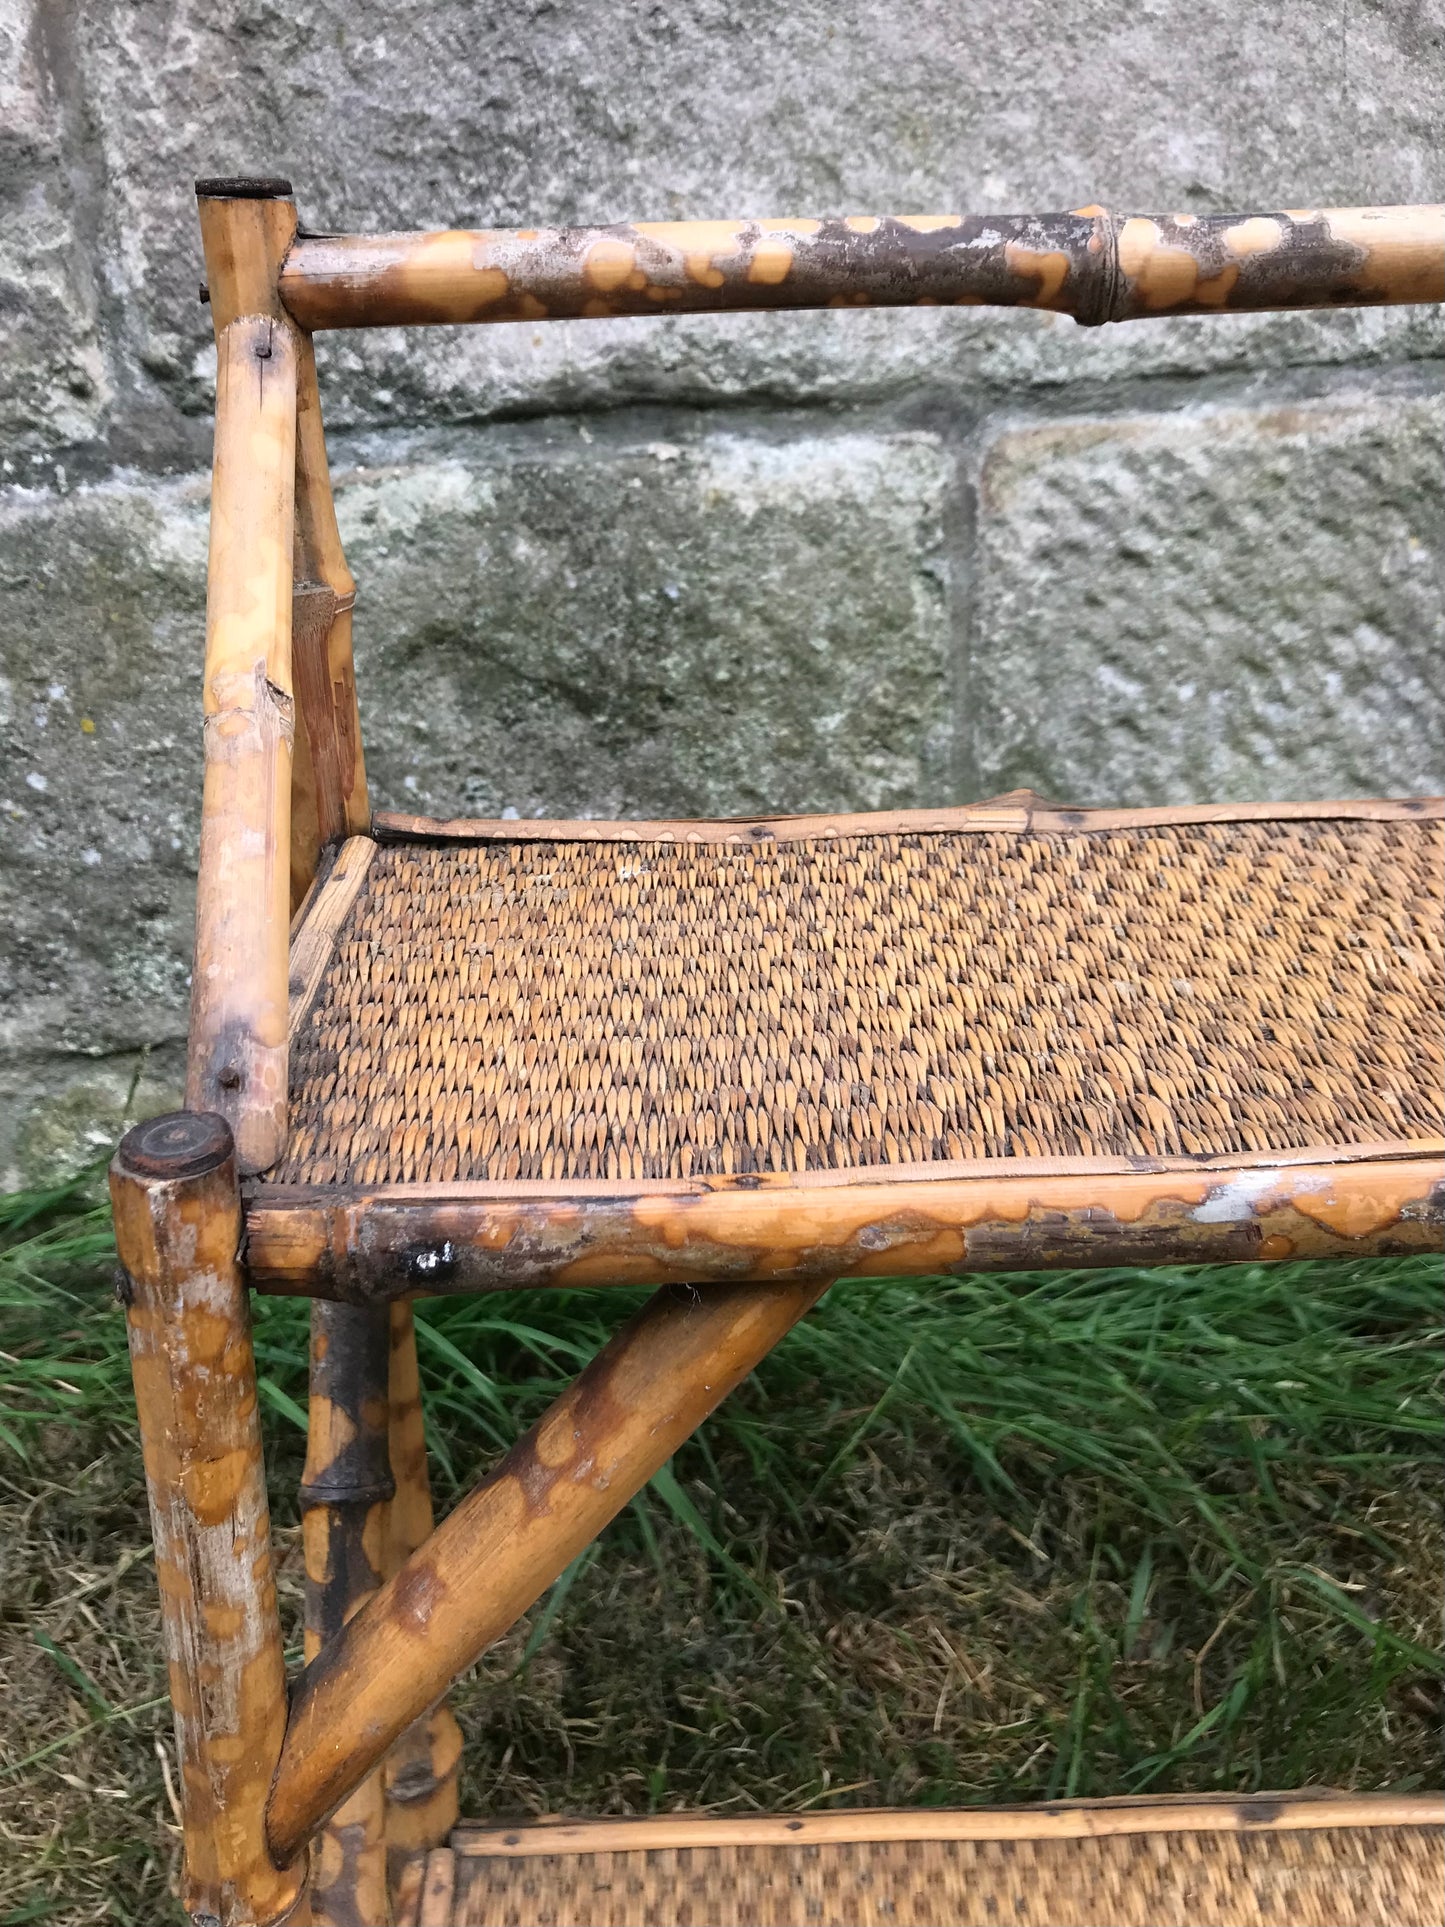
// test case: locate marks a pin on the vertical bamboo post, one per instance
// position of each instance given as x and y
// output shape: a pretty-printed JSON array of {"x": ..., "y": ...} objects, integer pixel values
[
  {"x": 328, "y": 790},
  {"x": 178, "y": 1229},
  {"x": 422, "y": 1768},
  {"x": 345, "y": 1493},
  {"x": 237, "y": 1054}
]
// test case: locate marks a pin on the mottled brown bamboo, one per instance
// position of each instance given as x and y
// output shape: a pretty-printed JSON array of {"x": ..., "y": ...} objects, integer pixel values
[
  {"x": 368, "y": 1245},
  {"x": 422, "y": 1768},
  {"x": 329, "y": 798},
  {"x": 1016, "y": 811},
  {"x": 516, "y": 1532},
  {"x": 237, "y": 1055},
  {"x": 1090, "y": 264},
  {"x": 178, "y": 1231},
  {"x": 345, "y": 1494}
]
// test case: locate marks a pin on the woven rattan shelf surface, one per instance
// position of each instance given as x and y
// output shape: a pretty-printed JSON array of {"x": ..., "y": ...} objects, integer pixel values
[
  {"x": 626, "y": 1007},
  {"x": 1261, "y": 1871}
]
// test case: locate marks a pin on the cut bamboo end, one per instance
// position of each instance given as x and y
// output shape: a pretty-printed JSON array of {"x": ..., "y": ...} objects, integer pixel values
[{"x": 247, "y": 226}]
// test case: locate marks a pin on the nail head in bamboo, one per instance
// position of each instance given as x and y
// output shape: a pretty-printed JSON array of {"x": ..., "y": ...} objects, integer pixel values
[{"x": 178, "y": 1231}]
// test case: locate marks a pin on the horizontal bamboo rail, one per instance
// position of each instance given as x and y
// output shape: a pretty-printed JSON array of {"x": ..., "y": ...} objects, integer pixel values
[
  {"x": 511, "y": 1537},
  {"x": 1054, "y": 1820},
  {"x": 1090, "y": 264},
  {"x": 1018, "y": 811},
  {"x": 894, "y": 1220}
]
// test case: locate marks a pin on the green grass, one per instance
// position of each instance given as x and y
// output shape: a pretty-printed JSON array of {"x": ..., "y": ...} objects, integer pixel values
[{"x": 960, "y": 1539}]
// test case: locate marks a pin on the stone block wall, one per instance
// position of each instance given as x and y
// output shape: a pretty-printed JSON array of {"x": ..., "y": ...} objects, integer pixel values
[{"x": 698, "y": 564}]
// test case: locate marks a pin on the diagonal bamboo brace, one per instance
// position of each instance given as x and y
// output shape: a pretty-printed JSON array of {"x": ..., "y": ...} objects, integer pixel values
[{"x": 550, "y": 1496}]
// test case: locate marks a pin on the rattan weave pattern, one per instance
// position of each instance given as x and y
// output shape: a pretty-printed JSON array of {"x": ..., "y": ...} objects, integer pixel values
[
  {"x": 611, "y": 1010},
  {"x": 1384, "y": 1877}
]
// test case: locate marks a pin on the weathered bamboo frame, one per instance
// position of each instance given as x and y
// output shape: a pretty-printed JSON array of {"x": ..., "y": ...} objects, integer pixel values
[
  {"x": 395, "y": 1609},
  {"x": 1090, "y": 264}
]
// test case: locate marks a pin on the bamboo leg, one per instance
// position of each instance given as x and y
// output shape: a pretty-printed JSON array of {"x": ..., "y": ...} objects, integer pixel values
[
  {"x": 422, "y": 1768},
  {"x": 345, "y": 1494},
  {"x": 178, "y": 1229},
  {"x": 517, "y": 1531}
]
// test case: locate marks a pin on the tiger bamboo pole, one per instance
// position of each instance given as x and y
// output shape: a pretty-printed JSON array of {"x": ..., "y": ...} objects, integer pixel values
[
  {"x": 367, "y": 1242},
  {"x": 422, "y": 1768},
  {"x": 328, "y": 790},
  {"x": 516, "y": 1532},
  {"x": 345, "y": 1496},
  {"x": 178, "y": 1230},
  {"x": 237, "y": 1053},
  {"x": 1090, "y": 264}
]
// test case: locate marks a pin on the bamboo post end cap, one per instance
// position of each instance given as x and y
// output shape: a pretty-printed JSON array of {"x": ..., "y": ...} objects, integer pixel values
[
  {"x": 242, "y": 187},
  {"x": 175, "y": 1145}
]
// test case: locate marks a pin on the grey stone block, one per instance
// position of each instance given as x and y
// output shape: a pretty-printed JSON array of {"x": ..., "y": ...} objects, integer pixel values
[
  {"x": 102, "y": 597},
  {"x": 1220, "y": 603},
  {"x": 549, "y": 621},
  {"x": 710, "y": 622},
  {"x": 53, "y": 385}
]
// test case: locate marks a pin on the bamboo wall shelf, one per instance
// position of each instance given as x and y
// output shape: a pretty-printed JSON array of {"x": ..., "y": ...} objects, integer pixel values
[{"x": 747, "y": 1057}]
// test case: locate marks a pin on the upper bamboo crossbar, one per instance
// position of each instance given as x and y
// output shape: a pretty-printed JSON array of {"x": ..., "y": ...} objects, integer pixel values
[{"x": 1091, "y": 264}]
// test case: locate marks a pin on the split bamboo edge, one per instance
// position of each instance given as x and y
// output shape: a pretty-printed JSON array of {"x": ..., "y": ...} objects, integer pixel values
[
  {"x": 1019, "y": 812},
  {"x": 1056, "y": 1820}
]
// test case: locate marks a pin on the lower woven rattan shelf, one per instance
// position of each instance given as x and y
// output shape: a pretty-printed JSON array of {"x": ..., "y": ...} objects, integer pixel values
[{"x": 1260, "y": 1861}]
